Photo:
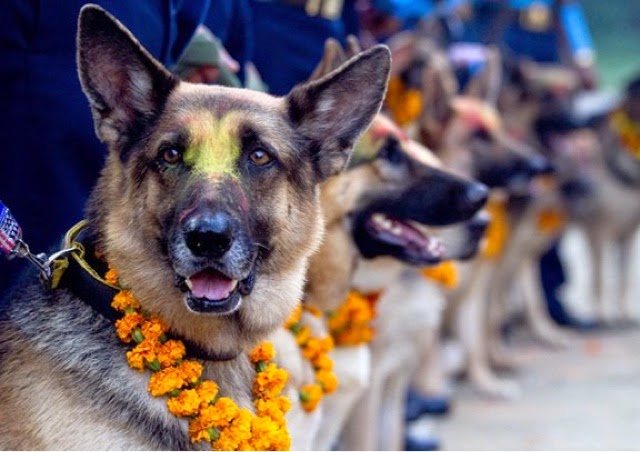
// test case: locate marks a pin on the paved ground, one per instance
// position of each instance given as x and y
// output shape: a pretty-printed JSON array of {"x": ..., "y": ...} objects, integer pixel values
[{"x": 585, "y": 397}]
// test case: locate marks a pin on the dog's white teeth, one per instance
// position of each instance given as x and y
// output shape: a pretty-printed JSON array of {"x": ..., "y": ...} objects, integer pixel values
[
  {"x": 381, "y": 221},
  {"x": 234, "y": 284},
  {"x": 434, "y": 246},
  {"x": 396, "y": 230},
  {"x": 189, "y": 283}
]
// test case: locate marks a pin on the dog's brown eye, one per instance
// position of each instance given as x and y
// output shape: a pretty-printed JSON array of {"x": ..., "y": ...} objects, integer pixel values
[
  {"x": 260, "y": 157},
  {"x": 171, "y": 155}
]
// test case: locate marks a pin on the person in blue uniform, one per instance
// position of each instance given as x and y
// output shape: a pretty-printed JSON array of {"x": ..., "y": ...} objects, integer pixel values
[
  {"x": 51, "y": 156},
  {"x": 289, "y": 37}
]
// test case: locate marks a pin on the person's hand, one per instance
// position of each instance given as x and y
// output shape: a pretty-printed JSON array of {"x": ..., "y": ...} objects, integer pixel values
[{"x": 588, "y": 77}]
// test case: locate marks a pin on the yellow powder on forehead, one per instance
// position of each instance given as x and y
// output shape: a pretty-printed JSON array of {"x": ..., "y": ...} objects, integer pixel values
[{"x": 214, "y": 144}]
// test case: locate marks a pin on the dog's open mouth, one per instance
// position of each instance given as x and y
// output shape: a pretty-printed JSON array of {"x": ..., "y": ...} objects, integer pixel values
[
  {"x": 417, "y": 247},
  {"x": 210, "y": 291}
]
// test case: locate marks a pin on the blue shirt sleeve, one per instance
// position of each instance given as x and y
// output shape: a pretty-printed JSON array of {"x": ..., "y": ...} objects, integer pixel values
[
  {"x": 405, "y": 10},
  {"x": 576, "y": 29}
]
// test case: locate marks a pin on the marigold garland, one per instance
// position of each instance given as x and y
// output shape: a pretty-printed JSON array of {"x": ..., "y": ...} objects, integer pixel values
[
  {"x": 445, "y": 273},
  {"x": 550, "y": 221},
  {"x": 316, "y": 351},
  {"x": 405, "y": 104},
  {"x": 628, "y": 132},
  {"x": 214, "y": 419},
  {"x": 498, "y": 230},
  {"x": 351, "y": 323}
]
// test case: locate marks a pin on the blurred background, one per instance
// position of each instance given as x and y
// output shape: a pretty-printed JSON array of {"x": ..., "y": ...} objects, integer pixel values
[{"x": 615, "y": 25}]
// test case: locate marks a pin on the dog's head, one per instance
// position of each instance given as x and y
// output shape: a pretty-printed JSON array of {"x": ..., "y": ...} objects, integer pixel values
[
  {"x": 392, "y": 201},
  {"x": 393, "y": 182},
  {"x": 407, "y": 188},
  {"x": 209, "y": 200},
  {"x": 460, "y": 120}
]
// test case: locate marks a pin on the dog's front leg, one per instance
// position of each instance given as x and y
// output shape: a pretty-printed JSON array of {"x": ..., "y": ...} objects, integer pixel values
[
  {"x": 471, "y": 328},
  {"x": 361, "y": 429},
  {"x": 429, "y": 378},
  {"x": 353, "y": 368},
  {"x": 597, "y": 250},
  {"x": 393, "y": 411},
  {"x": 535, "y": 304},
  {"x": 626, "y": 281}
]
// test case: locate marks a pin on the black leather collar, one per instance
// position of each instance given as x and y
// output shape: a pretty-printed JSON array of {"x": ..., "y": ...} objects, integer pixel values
[{"x": 83, "y": 278}]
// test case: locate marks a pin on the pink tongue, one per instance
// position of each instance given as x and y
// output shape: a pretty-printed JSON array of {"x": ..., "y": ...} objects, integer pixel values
[{"x": 211, "y": 285}]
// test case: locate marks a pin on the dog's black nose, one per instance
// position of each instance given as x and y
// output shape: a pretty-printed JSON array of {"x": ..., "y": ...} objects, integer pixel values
[
  {"x": 208, "y": 234},
  {"x": 479, "y": 223},
  {"x": 475, "y": 196},
  {"x": 539, "y": 165}
]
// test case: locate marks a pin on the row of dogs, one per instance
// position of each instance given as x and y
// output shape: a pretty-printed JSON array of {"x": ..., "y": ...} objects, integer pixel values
[{"x": 219, "y": 209}]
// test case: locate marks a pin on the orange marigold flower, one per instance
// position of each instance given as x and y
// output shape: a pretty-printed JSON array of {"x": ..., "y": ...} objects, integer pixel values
[
  {"x": 170, "y": 352},
  {"x": 350, "y": 324},
  {"x": 294, "y": 317},
  {"x": 220, "y": 414},
  {"x": 111, "y": 276},
  {"x": 327, "y": 380},
  {"x": 282, "y": 439},
  {"x": 264, "y": 352},
  {"x": 270, "y": 382},
  {"x": 141, "y": 354},
  {"x": 446, "y": 274},
  {"x": 551, "y": 220},
  {"x": 190, "y": 371},
  {"x": 314, "y": 311},
  {"x": 198, "y": 430},
  {"x": 165, "y": 381},
  {"x": 498, "y": 230},
  {"x": 154, "y": 328},
  {"x": 123, "y": 300},
  {"x": 127, "y": 324},
  {"x": 226, "y": 441},
  {"x": 269, "y": 407},
  {"x": 207, "y": 391},
  {"x": 187, "y": 403},
  {"x": 265, "y": 432},
  {"x": 303, "y": 335},
  {"x": 323, "y": 362},
  {"x": 238, "y": 431},
  {"x": 284, "y": 403},
  {"x": 310, "y": 396},
  {"x": 314, "y": 347},
  {"x": 326, "y": 344}
]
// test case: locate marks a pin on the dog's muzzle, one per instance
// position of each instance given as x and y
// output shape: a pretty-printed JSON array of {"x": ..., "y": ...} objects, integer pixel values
[{"x": 214, "y": 260}]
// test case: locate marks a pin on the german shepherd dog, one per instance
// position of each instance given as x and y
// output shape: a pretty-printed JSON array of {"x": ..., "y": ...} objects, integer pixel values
[
  {"x": 208, "y": 208},
  {"x": 373, "y": 209},
  {"x": 466, "y": 131},
  {"x": 599, "y": 171}
]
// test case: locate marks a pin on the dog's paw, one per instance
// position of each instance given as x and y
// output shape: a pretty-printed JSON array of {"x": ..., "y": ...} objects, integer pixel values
[
  {"x": 557, "y": 338},
  {"x": 503, "y": 360},
  {"x": 498, "y": 388}
]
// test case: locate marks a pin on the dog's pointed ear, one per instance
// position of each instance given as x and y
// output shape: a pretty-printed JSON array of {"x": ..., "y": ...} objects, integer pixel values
[
  {"x": 331, "y": 113},
  {"x": 332, "y": 58},
  {"x": 125, "y": 85}
]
